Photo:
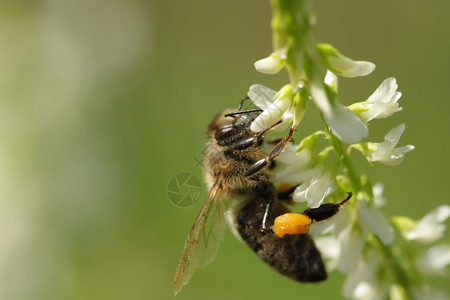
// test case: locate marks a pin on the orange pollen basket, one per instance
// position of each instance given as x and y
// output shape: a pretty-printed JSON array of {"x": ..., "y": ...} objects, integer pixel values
[{"x": 291, "y": 223}]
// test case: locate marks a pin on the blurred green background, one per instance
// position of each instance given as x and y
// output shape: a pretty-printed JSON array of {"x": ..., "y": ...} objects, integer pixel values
[{"x": 102, "y": 102}]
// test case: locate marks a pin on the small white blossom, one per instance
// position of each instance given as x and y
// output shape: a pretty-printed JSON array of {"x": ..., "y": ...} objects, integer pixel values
[
  {"x": 342, "y": 65},
  {"x": 271, "y": 64},
  {"x": 373, "y": 220},
  {"x": 315, "y": 190},
  {"x": 275, "y": 106},
  {"x": 329, "y": 248},
  {"x": 293, "y": 165},
  {"x": 385, "y": 151},
  {"x": 344, "y": 123},
  {"x": 351, "y": 242},
  {"x": 435, "y": 260},
  {"x": 430, "y": 228},
  {"x": 377, "y": 191},
  {"x": 428, "y": 293},
  {"x": 362, "y": 283},
  {"x": 381, "y": 104},
  {"x": 331, "y": 80}
]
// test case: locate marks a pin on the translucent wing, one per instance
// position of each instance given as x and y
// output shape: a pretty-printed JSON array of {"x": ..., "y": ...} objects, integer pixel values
[{"x": 204, "y": 238}]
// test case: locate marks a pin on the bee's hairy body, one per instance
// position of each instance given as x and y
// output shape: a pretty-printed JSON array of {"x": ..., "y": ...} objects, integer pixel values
[
  {"x": 227, "y": 165},
  {"x": 295, "y": 256}
]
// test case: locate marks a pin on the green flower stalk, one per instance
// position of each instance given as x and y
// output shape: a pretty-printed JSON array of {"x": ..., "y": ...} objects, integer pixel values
[{"x": 383, "y": 257}]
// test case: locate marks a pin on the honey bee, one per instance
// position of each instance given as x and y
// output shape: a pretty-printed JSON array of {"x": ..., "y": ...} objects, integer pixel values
[{"x": 236, "y": 167}]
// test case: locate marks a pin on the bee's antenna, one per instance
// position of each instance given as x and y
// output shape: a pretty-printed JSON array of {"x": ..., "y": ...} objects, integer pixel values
[
  {"x": 242, "y": 102},
  {"x": 241, "y": 112}
]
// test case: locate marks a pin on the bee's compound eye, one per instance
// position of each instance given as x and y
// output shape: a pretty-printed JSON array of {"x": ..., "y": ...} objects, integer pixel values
[
  {"x": 225, "y": 133},
  {"x": 291, "y": 223}
]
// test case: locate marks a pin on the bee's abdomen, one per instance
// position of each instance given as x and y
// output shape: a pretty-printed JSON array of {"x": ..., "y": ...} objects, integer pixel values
[{"x": 295, "y": 256}]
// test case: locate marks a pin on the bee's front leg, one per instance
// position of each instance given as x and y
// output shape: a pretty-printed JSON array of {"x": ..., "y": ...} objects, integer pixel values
[{"x": 272, "y": 155}]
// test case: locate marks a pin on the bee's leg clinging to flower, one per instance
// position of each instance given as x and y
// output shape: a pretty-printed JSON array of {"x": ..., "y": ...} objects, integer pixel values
[
  {"x": 246, "y": 143},
  {"x": 272, "y": 155},
  {"x": 326, "y": 210},
  {"x": 294, "y": 223}
]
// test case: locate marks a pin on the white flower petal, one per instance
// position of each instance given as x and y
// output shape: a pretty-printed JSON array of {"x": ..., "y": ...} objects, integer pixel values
[
  {"x": 300, "y": 192},
  {"x": 329, "y": 248},
  {"x": 344, "y": 123},
  {"x": 351, "y": 243},
  {"x": 269, "y": 65},
  {"x": 427, "y": 293},
  {"x": 294, "y": 175},
  {"x": 315, "y": 190},
  {"x": 261, "y": 95},
  {"x": 385, "y": 152},
  {"x": 349, "y": 68},
  {"x": 378, "y": 199},
  {"x": 342, "y": 65},
  {"x": 384, "y": 92},
  {"x": 393, "y": 136},
  {"x": 400, "y": 151},
  {"x": 435, "y": 260},
  {"x": 372, "y": 219},
  {"x": 381, "y": 104},
  {"x": 430, "y": 228},
  {"x": 358, "y": 283},
  {"x": 292, "y": 166},
  {"x": 270, "y": 115},
  {"x": 331, "y": 80}
]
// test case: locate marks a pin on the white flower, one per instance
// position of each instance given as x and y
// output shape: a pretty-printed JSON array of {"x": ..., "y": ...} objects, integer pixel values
[
  {"x": 283, "y": 105},
  {"x": 435, "y": 260},
  {"x": 315, "y": 190},
  {"x": 378, "y": 199},
  {"x": 385, "y": 151},
  {"x": 331, "y": 80},
  {"x": 329, "y": 248},
  {"x": 381, "y": 104},
  {"x": 344, "y": 123},
  {"x": 342, "y": 65},
  {"x": 430, "y": 228},
  {"x": 351, "y": 242},
  {"x": 362, "y": 282},
  {"x": 292, "y": 165},
  {"x": 373, "y": 220},
  {"x": 427, "y": 293},
  {"x": 275, "y": 106},
  {"x": 271, "y": 64}
]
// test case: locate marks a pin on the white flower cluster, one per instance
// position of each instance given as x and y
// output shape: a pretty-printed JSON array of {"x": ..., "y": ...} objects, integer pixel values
[
  {"x": 370, "y": 265},
  {"x": 316, "y": 181},
  {"x": 347, "y": 123},
  {"x": 358, "y": 242}
]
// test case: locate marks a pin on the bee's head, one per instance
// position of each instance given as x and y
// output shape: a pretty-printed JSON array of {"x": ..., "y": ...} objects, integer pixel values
[{"x": 230, "y": 126}]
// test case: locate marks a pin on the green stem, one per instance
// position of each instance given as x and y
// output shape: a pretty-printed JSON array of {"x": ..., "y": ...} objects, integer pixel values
[
  {"x": 394, "y": 264},
  {"x": 292, "y": 30},
  {"x": 345, "y": 159}
]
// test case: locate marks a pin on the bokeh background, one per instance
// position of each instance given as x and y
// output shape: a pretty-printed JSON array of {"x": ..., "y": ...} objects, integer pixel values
[{"x": 102, "y": 102}]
